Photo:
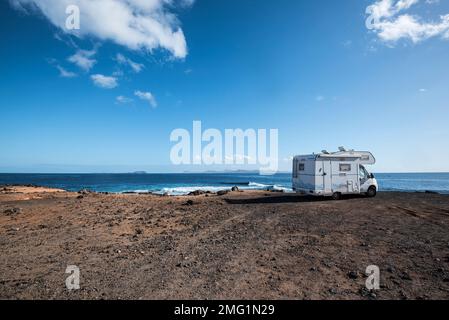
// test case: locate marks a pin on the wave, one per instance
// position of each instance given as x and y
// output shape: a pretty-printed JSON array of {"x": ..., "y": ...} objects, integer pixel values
[
  {"x": 259, "y": 185},
  {"x": 136, "y": 191},
  {"x": 273, "y": 187},
  {"x": 182, "y": 191},
  {"x": 185, "y": 190}
]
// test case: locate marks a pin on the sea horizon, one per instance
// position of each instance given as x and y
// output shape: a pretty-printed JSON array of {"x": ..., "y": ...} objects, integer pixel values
[{"x": 213, "y": 172}]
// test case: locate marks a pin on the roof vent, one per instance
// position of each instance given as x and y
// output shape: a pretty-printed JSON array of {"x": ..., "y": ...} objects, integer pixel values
[
  {"x": 325, "y": 152},
  {"x": 342, "y": 149}
]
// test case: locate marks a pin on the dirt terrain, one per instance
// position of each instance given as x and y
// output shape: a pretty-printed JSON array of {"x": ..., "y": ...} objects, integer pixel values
[{"x": 242, "y": 245}]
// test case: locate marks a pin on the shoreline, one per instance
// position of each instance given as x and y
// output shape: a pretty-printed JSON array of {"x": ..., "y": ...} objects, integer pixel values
[
  {"x": 32, "y": 188},
  {"x": 28, "y": 188}
]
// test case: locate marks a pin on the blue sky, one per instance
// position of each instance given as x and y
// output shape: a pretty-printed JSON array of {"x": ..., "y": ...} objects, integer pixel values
[{"x": 102, "y": 101}]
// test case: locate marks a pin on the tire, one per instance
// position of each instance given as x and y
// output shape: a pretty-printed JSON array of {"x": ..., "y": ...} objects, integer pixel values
[
  {"x": 336, "y": 196},
  {"x": 372, "y": 192}
]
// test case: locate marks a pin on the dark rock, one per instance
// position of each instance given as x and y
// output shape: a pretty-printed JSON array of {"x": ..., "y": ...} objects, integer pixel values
[
  {"x": 364, "y": 292},
  {"x": 403, "y": 295},
  {"x": 405, "y": 276},
  {"x": 328, "y": 263},
  {"x": 12, "y": 211},
  {"x": 196, "y": 193},
  {"x": 391, "y": 269},
  {"x": 222, "y": 192},
  {"x": 199, "y": 193},
  {"x": 353, "y": 275},
  {"x": 430, "y": 192},
  {"x": 6, "y": 190},
  {"x": 332, "y": 291},
  {"x": 235, "y": 189},
  {"x": 189, "y": 203},
  {"x": 364, "y": 244}
]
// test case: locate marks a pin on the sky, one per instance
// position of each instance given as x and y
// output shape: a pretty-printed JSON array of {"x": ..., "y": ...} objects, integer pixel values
[{"x": 364, "y": 74}]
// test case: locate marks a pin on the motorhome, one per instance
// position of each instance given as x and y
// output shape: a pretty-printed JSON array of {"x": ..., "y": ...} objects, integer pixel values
[{"x": 334, "y": 174}]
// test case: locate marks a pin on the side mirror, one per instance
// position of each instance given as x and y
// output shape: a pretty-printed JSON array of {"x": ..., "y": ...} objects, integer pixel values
[{"x": 371, "y": 176}]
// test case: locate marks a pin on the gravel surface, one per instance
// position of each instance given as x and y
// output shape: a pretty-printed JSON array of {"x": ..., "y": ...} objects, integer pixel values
[{"x": 242, "y": 245}]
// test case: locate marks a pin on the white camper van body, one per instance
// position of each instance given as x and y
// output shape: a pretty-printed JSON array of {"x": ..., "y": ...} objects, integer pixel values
[{"x": 334, "y": 174}]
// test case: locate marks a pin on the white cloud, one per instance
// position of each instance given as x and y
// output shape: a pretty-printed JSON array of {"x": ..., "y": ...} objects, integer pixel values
[
  {"x": 83, "y": 59},
  {"x": 387, "y": 20},
  {"x": 64, "y": 73},
  {"x": 319, "y": 98},
  {"x": 103, "y": 81},
  {"x": 147, "y": 96},
  {"x": 123, "y": 99},
  {"x": 135, "y": 24},
  {"x": 406, "y": 26},
  {"x": 136, "y": 67}
]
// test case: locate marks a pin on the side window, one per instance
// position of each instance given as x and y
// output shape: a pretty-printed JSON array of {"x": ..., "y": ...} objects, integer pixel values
[
  {"x": 363, "y": 173},
  {"x": 301, "y": 167},
  {"x": 345, "y": 167}
]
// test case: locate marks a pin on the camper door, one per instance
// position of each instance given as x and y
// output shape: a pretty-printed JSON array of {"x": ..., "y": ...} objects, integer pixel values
[{"x": 327, "y": 176}]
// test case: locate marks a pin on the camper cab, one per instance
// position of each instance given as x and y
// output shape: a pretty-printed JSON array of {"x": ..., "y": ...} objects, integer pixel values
[{"x": 334, "y": 174}]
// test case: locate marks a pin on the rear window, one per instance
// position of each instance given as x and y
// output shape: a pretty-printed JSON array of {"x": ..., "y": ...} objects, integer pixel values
[{"x": 297, "y": 166}]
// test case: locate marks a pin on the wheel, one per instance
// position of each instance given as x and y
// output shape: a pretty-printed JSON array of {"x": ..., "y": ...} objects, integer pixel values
[
  {"x": 371, "y": 192},
  {"x": 336, "y": 196}
]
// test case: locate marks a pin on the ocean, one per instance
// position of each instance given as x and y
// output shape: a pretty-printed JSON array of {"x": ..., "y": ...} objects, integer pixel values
[{"x": 180, "y": 184}]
